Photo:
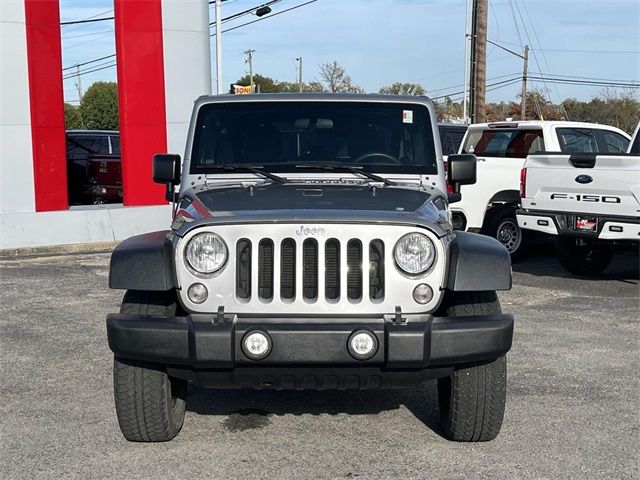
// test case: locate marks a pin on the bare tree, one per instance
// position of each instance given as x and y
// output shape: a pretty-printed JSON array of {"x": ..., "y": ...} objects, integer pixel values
[
  {"x": 399, "y": 88},
  {"x": 335, "y": 79}
]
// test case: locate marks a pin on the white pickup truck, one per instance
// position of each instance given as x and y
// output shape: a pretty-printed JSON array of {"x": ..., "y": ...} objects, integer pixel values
[
  {"x": 489, "y": 206},
  {"x": 590, "y": 201}
]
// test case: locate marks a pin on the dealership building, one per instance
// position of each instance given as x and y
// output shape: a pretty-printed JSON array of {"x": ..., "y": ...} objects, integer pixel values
[{"x": 163, "y": 64}]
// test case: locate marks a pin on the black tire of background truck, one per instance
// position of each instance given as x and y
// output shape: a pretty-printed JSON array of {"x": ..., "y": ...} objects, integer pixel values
[
  {"x": 150, "y": 405},
  {"x": 501, "y": 224},
  {"x": 589, "y": 259},
  {"x": 472, "y": 399}
]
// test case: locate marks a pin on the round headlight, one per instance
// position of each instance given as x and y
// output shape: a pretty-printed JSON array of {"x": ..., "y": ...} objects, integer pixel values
[
  {"x": 415, "y": 253},
  {"x": 206, "y": 253}
]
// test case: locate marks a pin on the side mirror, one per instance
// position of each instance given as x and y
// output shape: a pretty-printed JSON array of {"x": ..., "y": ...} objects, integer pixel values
[
  {"x": 461, "y": 170},
  {"x": 166, "y": 168}
]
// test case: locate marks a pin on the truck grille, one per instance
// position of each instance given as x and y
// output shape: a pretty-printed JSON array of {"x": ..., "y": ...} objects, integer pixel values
[{"x": 311, "y": 271}]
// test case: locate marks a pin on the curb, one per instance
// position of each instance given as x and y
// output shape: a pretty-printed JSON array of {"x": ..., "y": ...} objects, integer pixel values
[{"x": 54, "y": 250}]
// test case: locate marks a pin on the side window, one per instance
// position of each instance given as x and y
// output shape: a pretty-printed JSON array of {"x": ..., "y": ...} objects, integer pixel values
[
  {"x": 447, "y": 143},
  {"x": 635, "y": 148},
  {"x": 115, "y": 145},
  {"x": 509, "y": 143},
  {"x": 575, "y": 140},
  {"x": 612, "y": 142}
]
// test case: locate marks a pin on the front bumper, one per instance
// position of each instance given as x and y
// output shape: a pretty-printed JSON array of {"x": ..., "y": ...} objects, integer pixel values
[
  {"x": 614, "y": 228},
  {"x": 198, "y": 344}
]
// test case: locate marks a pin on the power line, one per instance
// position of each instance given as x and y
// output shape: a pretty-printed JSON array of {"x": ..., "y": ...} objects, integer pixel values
[
  {"x": 244, "y": 12},
  {"x": 568, "y": 50},
  {"x": 226, "y": 19},
  {"x": 88, "y": 20},
  {"x": 462, "y": 85},
  {"x": 503, "y": 83},
  {"x": 97, "y": 69},
  {"x": 460, "y": 95},
  {"x": 266, "y": 17},
  {"x": 584, "y": 82},
  {"x": 90, "y": 61},
  {"x": 66, "y": 37}
]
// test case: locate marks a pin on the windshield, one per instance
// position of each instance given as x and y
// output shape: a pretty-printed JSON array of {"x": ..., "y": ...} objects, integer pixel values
[
  {"x": 503, "y": 142},
  {"x": 278, "y": 136}
]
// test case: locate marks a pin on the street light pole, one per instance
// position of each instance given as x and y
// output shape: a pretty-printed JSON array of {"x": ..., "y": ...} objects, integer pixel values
[
  {"x": 218, "y": 48},
  {"x": 525, "y": 72},
  {"x": 249, "y": 60},
  {"x": 299, "y": 59}
]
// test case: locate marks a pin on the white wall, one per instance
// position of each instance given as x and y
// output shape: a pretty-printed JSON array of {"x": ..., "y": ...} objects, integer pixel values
[
  {"x": 88, "y": 225},
  {"x": 187, "y": 64},
  {"x": 16, "y": 156}
]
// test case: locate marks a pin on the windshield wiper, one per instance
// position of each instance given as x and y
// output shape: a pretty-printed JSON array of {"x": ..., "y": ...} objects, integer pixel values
[
  {"x": 258, "y": 170},
  {"x": 347, "y": 168}
]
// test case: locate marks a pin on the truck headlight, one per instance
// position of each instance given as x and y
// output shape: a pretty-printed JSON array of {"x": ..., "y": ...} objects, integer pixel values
[
  {"x": 206, "y": 253},
  {"x": 415, "y": 253}
]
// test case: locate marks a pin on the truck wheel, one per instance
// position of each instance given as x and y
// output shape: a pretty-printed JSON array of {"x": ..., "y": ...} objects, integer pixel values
[
  {"x": 472, "y": 399},
  {"x": 150, "y": 404},
  {"x": 588, "y": 258},
  {"x": 501, "y": 223}
]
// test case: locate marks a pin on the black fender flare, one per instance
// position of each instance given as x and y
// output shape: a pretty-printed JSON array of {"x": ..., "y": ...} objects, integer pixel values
[
  {"x": 478, "y": 263},
  {"x": 506, "y": 196},
  {"x": 143, "y": 262}
]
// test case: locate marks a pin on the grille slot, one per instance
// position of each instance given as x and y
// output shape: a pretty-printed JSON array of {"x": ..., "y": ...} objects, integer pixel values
[
  {"x": 376, "y": 270},
  {"x": 243, "y": 269},
  {"x": 288, "y": 268},
  {"x": 332, "y": 269},
  {"x": 265, "y": 269},
  {"x": 310, "y": 269},
  {"x": 354, "y": 269}
]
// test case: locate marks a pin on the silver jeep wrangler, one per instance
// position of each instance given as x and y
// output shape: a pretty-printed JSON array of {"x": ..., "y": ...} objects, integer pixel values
[{"x": 311, "y": 248}]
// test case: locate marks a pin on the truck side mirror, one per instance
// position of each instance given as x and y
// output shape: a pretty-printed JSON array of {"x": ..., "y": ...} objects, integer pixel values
[
  {"x": 461, "y": 170},
  {"x": 166, "y": 168}
]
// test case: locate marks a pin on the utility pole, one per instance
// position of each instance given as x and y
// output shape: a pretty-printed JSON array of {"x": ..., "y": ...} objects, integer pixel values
[
  {"x": 78, "y": 82},
  {"x": 218, "y": 48},
  {"x": 299, "y": 60},
  {"x": 525, "y": 73},
  {"x": 249, "y": 60},
  {"x": 465, "y": 98},
  {"x": 478, "y": 78}
]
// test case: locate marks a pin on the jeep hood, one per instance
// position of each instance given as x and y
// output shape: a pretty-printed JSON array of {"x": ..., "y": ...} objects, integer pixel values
[{"x": 300, "y": 196}]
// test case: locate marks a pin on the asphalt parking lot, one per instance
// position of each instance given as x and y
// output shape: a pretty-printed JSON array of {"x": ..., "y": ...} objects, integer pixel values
[{"x": 572, "y": 405}]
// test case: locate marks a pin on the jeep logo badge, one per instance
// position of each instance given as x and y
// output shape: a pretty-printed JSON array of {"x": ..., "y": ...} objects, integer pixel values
[
  {"x": 310, "y": 231},
  {"x": 584, "y": 179}
]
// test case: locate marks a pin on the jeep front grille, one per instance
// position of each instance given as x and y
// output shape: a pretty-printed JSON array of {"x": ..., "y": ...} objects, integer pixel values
[
  {"x": 311, "y": 270},
  {"x": 323, "y": 269}
]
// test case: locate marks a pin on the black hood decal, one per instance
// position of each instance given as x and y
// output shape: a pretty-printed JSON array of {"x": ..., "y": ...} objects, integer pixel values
[{"x": 313, "y": 197}]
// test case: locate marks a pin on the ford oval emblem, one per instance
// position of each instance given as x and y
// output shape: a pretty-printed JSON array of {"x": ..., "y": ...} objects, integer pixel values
[{"x": 584, "y": 179}]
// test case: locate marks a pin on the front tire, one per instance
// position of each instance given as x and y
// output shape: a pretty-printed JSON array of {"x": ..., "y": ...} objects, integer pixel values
[
  {"x": 501, "y": 224},
  {"x": 472, "y": 399},
  {"x": 150, "y": 405},
  {"x": 587, "y": 259}
]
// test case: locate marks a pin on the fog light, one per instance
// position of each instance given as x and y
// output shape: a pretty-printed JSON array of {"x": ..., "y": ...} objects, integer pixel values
[
  {"x": 363, "y": 345},
  {"x": 422, "y": 293},
  {"x": 256, "y": 345},
  {"x": 197, "y": 293}
]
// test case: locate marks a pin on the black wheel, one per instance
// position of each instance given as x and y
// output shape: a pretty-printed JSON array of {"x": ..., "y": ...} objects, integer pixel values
[
  {"x": 472, "y": 399},
  {"x": 583, "y": 257},
  {"x": 501, "y": 223},
  {"x": 150, "y": 404}
]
